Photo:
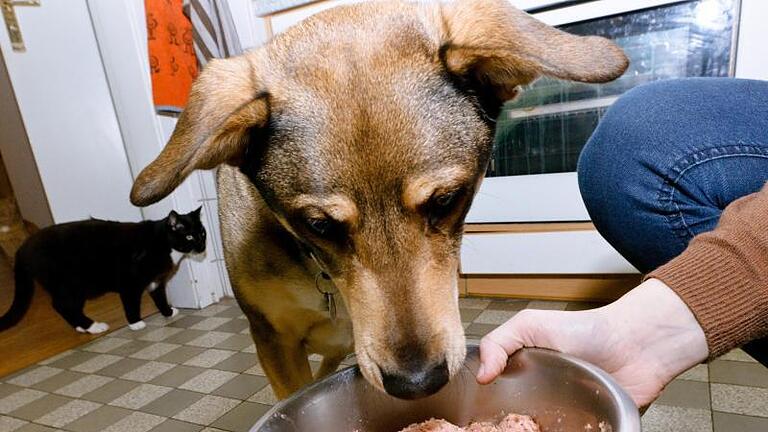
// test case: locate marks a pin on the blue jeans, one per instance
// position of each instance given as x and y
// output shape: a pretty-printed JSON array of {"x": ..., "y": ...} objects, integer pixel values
[{"x": 668, "y": 157}]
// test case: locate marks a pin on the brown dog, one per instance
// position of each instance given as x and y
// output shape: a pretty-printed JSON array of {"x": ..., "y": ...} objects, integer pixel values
[{"x": 360, "y": 137}]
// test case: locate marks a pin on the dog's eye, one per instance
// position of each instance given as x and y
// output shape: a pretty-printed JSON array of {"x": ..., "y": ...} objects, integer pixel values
[
  {"x": 442, "y": 205},
  {"x": 446, "y": 199},
  {"x": 319, "y": 226}
]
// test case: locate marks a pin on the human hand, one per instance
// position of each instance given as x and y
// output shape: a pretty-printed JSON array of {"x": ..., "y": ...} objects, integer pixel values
[{"x": 644, "y": 340}]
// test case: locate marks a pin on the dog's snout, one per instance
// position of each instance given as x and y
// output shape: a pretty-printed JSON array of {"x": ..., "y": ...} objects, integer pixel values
[{"x": 416, "y": 384}]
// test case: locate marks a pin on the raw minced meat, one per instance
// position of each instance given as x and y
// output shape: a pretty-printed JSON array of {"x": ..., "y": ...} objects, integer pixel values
[{"x": 510, "y": 423}]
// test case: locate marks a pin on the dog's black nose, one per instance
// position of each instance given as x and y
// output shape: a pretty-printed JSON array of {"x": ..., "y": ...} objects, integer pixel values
[{"x": 416, "y": 384}]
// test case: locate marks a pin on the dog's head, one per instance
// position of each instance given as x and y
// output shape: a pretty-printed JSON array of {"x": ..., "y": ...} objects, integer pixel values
[{"x": 366, "y": 130}]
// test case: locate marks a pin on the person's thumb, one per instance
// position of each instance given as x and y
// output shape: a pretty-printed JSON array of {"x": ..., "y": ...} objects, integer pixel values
[{"x": 499, "y": 344}]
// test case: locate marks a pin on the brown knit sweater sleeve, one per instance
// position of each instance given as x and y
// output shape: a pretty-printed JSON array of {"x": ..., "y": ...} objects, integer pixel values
[{"x": 723, "y": 275}]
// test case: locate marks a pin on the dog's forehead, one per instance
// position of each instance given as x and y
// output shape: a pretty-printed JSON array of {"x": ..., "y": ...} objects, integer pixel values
[{"x": 359, "y": 96}]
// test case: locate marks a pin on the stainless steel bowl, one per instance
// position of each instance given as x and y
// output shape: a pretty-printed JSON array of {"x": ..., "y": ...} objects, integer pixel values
[{"x": 561, "y": 392}]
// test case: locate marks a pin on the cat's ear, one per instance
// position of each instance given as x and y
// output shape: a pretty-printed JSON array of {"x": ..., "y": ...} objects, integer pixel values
[
  {"x": 173, "y": 219},
  {"x": 196, "y": 212}
]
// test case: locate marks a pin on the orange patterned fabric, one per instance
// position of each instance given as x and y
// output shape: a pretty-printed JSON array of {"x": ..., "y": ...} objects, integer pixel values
[{"x": 171, "y": 54}]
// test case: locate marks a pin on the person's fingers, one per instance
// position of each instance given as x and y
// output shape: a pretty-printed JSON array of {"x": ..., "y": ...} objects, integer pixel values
[{"x": 499, "y": 344}]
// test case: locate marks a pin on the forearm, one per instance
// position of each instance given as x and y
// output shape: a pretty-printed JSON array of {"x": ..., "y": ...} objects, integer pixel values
[
  {"x": 668, "y": 336},
  {"x": 723, "y": 276}
]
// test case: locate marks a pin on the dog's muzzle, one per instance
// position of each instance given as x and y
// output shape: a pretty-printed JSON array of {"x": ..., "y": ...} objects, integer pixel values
[{"x": 416, "y": 384}]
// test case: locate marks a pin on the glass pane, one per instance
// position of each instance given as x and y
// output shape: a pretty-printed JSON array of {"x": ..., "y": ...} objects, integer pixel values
[{"x": 685, "y": 39}]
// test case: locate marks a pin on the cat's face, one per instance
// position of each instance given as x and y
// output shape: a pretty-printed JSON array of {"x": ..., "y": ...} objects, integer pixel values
[{"x": 185, "y": 231}]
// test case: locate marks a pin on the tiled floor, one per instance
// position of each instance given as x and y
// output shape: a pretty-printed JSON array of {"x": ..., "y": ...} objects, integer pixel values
[{"x": 198, "y": 372}]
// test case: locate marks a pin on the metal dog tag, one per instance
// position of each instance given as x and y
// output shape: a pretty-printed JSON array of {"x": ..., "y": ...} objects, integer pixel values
[{"x": 331, "y": 302}]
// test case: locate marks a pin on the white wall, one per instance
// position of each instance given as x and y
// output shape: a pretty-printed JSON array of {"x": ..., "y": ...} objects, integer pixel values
[{"x": 64, "y": 101}]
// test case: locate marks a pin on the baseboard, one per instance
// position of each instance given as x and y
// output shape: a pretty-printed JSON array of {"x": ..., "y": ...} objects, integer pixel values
[{"x": 591, "y": 288}]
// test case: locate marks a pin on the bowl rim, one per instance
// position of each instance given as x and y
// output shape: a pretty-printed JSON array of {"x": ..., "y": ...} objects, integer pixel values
[{"x": 628, "y": 416}]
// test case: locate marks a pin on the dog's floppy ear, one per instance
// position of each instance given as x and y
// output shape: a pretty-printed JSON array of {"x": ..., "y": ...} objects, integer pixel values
[
  {"x": 498, "y": 47},
  {"x": 225, "y": 102}
]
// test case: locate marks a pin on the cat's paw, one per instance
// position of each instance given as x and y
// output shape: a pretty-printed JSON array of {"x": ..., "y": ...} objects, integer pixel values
[
  {"x": 174, "y": 312},
  {"x": 138, "y": 325},
  {"x": 95, "y": 328}
]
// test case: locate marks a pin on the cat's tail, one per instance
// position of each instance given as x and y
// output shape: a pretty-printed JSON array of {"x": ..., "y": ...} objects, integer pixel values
[{"x": 25, "y": 287}]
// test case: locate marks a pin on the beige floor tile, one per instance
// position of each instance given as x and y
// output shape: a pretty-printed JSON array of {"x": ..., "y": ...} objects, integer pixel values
[
  {"x": 508, "y": 305},
  {"x": 31, "y": 427},
  {"x": 40, "y": 407},
  {"x": 208, "y": 381},
  {"x": 56, "y": 358},
  {"x": 72, "y": 359},
  {"x": 181, "y": 354},
  {"x": 97, "y": 363},
  {"x": 131, "y": 348},
  {"x": 84, "y": 385},
  {"x": 209, "y": 339},
  {"x": 8, "y": 389},
  {"x": 495, "y": 317},
  {"x": 99, "y": 419},
  {"x": 473, "y": 303},
  {"x": 725, "y": 422},
  {"x": 59, "y": 380},
  {"x": 250, "y": 349},
  {"x": 172, "y": 425},
  {"x": 172, "y": 403},
  {"x": 547, "y": 305},
  {"x": 242, "y": 417},
  {"x": 266, "y": 397},
  {"x": 152, "y": 352},
  {"x": 232, "y": 312},
  {"x": 210, "y": 323},
  {"x": 686, "y": 394},
  {"x": 105, "y": 345},
  {"x": 234, "y": 326},
  {"x": 186, "y": 336},
  {"x": 733, "y": 399},
  {"x": 148, "y": 371},
  {"x": 662, "y": 418},
  {"x": 10, "y": 424},
  {"x": 33, "y": 376},
  {"x": 140, "y": 396},
  {"x": 122, "y": 367},
  {"x": 67, "y": 413},
  {"x": 255, "y": 370},
  {"x": 136, "y": 422},
  {"x": 697, "y": 373},
  {"x": 737, "y": 355},
  {"x": 739, "y": 373},
  {"x": 110, "y": 391},
  {"x": 209, "y": 358},
  {"x": 479, "y": 330},
  {"x": 178, "y": 376},
  {"x": 160, "y": 334},
  {"x": 243, "y": 387},
  {"x": 468, "y": 315},
  {"x": 212, "y": 310},
  {"x": 18, "y": 399},
  {"x": 187, "y": 322},
  {"x": 238, "y": 362},
  {"x": 207, "y": 410}
]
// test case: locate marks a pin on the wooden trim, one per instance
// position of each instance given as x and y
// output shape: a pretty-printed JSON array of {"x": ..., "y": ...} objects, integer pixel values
[
  {"x": 551, "y": 287},
  {"x": 288, "y": 9},
  {"x": 527, "y": 227},
  {"x": 268, "y": 27}
]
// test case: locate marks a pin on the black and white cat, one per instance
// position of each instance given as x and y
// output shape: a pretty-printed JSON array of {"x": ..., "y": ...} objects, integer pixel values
[{"x": 81, "y": 260}]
